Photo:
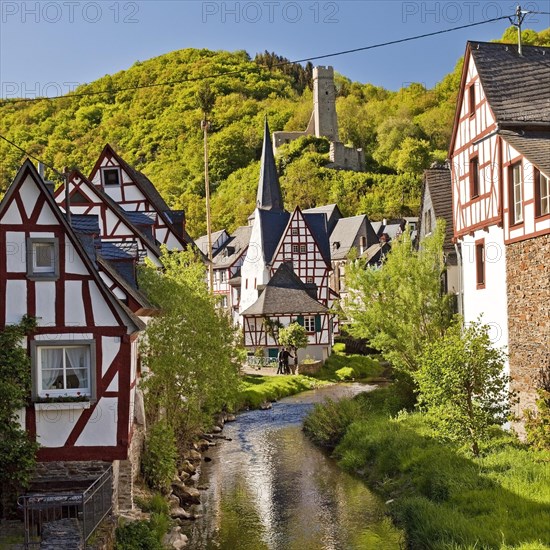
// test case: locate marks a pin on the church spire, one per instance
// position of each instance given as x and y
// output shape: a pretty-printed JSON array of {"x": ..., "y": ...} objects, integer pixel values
[{"x": 269, "y": 191}]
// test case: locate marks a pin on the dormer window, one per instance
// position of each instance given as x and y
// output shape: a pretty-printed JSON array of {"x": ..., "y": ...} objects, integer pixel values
[
  {"x": 110, "y": 176},
  {"x": 42, "y": 258}
]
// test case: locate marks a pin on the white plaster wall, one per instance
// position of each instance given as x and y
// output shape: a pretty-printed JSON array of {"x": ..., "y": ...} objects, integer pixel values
[
  {"x": 74, "y": 305},
  {"x": 101, "y": 429},
  {"x": 253, "y": 268},
  {"x": 16, "y": 251},
  {"x": 45, "y": 303},
  {"x": 490, "y": 301},
  {"x": 16, "y": 300},
  {"x": 53, "y": 426}
]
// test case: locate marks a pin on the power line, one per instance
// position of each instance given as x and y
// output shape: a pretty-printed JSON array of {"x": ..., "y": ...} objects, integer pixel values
[
  {"x": 252, "y": 69},
  {"x": 32, "y": 156}
]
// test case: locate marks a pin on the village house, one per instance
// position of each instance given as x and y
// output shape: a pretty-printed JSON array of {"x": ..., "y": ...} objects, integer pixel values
[
  {"x": 500, "y": 169},
  {"x": 75, "y": 272},
  {"x": 437, "y": 204}
]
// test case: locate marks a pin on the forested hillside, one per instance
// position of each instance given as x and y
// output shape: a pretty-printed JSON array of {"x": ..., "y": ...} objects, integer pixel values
[{"x": 157, "y": 129}]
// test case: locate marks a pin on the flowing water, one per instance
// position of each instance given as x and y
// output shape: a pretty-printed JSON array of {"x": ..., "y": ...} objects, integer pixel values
[{"x": 271, "y": 488}]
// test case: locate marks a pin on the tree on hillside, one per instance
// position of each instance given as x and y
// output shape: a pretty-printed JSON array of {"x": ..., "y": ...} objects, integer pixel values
[
  {"x": 399, "y": 307},
  {"x": 462, "y": 384},
  {"x": 17, "y": 451},
  {"x": 189, "y": 349}
]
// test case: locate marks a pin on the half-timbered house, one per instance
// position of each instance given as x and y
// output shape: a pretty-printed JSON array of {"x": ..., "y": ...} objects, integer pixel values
[
  {"x": 84, "y": 350},
  {"x": 500, "y": 172},
  {"x": 280, "y": 238}
]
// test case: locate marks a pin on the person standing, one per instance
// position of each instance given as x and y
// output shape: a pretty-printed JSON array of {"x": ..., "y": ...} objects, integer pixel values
[
  {"x": 286, "y": 355},
  {"x": 280, "y": 361}
]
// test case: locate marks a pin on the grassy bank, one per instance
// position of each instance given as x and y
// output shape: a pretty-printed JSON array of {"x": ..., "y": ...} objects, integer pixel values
[
  {"x": 258, "y": 389},
  {"x": 341, "y": 367},
  {"x": 440, "y": 495}
]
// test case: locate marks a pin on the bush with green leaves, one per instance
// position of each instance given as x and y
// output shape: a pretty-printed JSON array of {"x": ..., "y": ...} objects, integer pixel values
[
  {"x": 159, "y": 460},
  {"x": 17, "y": 451},
  {"x": 462, "y": 384},
  {"x": 294, "y": 335},
  {"x": 537, "y": 422},
  {"x": 138, "y": 535},
  {"x": 190, "y": 348},
  {"x": 327, "y": 422}
]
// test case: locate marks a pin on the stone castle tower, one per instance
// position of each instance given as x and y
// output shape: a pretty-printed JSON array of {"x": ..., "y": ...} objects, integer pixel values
[{"x": 324, "y": 123}]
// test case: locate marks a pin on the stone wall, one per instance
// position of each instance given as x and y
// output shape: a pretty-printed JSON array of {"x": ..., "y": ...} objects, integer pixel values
[
  {"x": 127, "y": 471},
  {"x": 63, "y": 534},
  {"x": 528, "y": 283},
  {"x": 66, "y": 475}
]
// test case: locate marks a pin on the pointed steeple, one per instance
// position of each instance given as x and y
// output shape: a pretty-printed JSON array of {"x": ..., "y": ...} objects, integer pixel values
[{"x": 269, "y": 191}]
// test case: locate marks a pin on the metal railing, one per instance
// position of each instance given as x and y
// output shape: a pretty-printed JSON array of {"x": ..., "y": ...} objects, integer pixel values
[
  {"x": 253, "y": 361},
  {"x": 90, "y": 507}
]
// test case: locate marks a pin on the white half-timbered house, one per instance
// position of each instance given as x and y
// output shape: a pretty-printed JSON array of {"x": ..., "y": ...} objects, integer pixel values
[
  {"x": 85, "y": 346},
  {"x": 139, "y": 198},
  {"x": 281, "y": 242},
  {"x": 500, "y": 153}
]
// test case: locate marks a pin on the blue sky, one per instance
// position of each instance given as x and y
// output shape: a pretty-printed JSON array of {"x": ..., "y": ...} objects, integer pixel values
[{"x": 48, "y": 46}]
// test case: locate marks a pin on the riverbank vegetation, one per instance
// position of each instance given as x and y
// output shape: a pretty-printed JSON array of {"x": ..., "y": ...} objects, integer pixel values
[
  {"x": 342, "y": 367},
  {"x": 257, "y": 389},
  {"x": 438, "y": 492}
]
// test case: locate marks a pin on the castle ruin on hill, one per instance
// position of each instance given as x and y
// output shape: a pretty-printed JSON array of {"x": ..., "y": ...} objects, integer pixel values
[{"x": 324, "y": 123}]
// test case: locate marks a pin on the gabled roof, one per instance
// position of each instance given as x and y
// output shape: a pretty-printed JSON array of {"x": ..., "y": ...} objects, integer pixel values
[
  {"x": 202, "y": 242},
  {"x": 115, "y": 208},
  {"x": 146, "y": 187},
  {"x": 233, "y": 248},
  {"x": 131, "y": 321},
  {"x": 345, "y": 234},
  {"x": 272, "y": 226},
  {"x": 517, "y": 86},
  {"x": 269, "y": 195},
  {"x": 317, "y": 224},
  {"x": 437, "y": 182},
  {"x": 285, "y": 293},
  {"x": 332, "y": 213},
  {"x": 533, "y": 145}
]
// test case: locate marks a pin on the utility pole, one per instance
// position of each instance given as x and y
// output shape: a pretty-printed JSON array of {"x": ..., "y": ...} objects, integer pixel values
[
  {"x": 205, "y": 125},
  {"x": 520, "y": 16}
]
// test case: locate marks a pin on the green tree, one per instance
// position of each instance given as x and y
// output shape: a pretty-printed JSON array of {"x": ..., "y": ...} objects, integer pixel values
[
  {"x": 17, "y": 451},
  {"x": 462, "y": 384},
  {"x": 189, "y": 349},
  {"x": 399, "y": 307},
  {"x": 294, "y": 335}
]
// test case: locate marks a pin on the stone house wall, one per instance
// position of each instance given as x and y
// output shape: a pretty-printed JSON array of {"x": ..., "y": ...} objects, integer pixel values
[{"x": 528, "y": 283}]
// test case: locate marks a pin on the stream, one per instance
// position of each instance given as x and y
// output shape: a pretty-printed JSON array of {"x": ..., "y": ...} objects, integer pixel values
[{"x": 270, "y": 488}]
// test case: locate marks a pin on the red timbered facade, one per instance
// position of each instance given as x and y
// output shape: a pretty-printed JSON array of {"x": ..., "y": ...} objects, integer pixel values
[
  {"x": 134, "y": 192},
  {"x": 500, "y": 168},
  {"x": 85, "y": 346}
]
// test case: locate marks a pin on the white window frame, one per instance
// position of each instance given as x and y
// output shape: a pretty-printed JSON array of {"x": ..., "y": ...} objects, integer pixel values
[
  {"x": 294, "y": 231},
  {"x": 309, "y": 323},
  {"x": 41, "y": 272},
  {"x": 37, "y": 346},
  {"x": 115, "y": 169},
  {"x": 543, "y": 195},
  {"x": 516, "y": 197}
]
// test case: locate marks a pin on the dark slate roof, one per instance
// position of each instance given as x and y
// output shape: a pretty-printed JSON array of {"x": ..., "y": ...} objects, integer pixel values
[
  {"x": 139, "y": 218},
  {"x": 202, "y": 242},
  {"x": 437, "y": 181},
  {"x": 533, "y": 145},
  {"x": 345, "y": 234},
  {"x": 127, "y": 285},
  {"x": 269, "y": 195},
  {"x": 88, "y": 224},
  {"x": 317, "y": 223},
  {"x": 119, "y": 250},
  {"x": 272, "y": 224},
  {"x": 517, "y": 87},
  {"x": 285, "y": 293},
  {"x": 233, "y": 248},
  {"x": 332, "y": 213},
  {"x": 89, "y": 244}
]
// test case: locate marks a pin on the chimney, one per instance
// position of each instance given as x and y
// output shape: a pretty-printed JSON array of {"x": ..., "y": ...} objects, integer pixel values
[
  {"x": 50, "y": 186},
  {"x": 178, "y": 221},
  {"x": 41, "y": 169}
]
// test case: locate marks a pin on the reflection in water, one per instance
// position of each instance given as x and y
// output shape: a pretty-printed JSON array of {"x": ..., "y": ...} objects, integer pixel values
[{"x": 271, "y": 488}]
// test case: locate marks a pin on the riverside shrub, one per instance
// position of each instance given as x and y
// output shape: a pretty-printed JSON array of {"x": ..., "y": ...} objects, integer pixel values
[{"x": 159, "y": 459}]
